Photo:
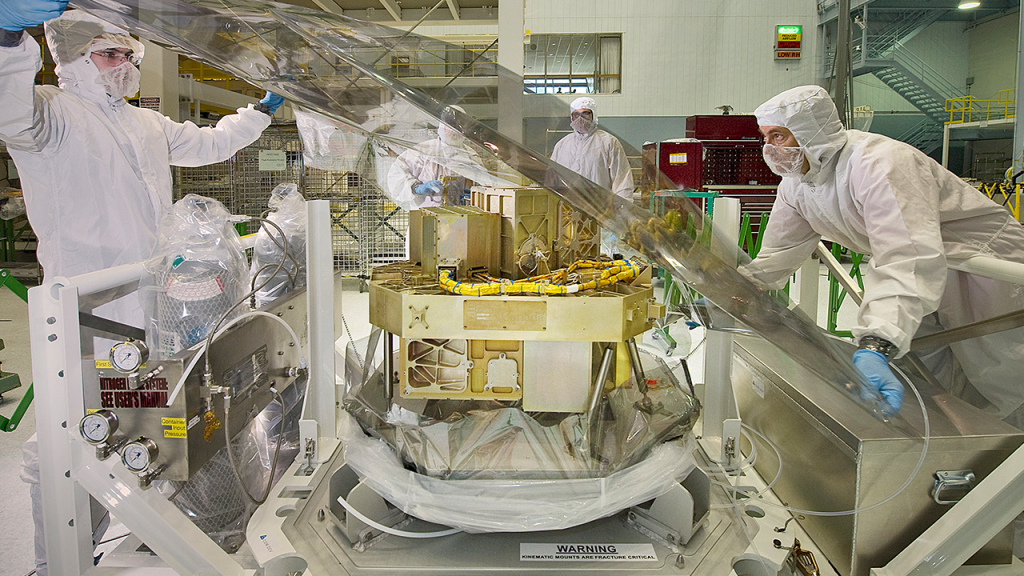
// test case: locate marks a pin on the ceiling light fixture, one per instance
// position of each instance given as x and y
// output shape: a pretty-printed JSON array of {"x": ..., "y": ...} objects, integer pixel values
[{"x": 968, "y": 4}]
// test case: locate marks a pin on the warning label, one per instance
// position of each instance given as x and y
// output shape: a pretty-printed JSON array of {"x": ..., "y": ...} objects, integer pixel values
[{"x": 587, "y": 552}]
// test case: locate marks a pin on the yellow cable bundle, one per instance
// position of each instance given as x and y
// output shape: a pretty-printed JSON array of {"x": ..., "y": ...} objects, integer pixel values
[{"x": 611, "y": 273}]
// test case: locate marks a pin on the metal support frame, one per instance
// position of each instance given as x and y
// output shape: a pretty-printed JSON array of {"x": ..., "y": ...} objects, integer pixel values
[
  {"x": 69, "y": 470},
  {"x": 842, "y": 69},
  {"x": 719, "y": 400},
  {"x": 319, "y": 418},
  {"x": 807, "y": 288},
  {"x": 1018, "y": 127}
]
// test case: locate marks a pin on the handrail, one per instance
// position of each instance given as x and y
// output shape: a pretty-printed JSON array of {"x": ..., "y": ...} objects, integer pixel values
[
  {"x": 925, "y": 126},
  {"x": 935, "y": 80},
  {"x": 970, "y": 109}
]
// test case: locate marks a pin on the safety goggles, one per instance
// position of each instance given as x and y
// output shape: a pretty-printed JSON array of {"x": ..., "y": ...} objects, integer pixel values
[
  {"x": 115, "y": 56},
  {"x": 584, "y": 113}
]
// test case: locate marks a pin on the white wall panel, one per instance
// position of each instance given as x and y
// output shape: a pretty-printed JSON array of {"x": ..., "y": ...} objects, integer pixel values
[
  {"x": 993, "y": 56},
  {"x": 684, "y": 57},
  {"x": 944, "y": 46}
]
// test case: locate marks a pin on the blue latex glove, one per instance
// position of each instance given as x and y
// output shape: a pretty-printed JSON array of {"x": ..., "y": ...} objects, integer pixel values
[
  {"x": 17, "y": 15},
  {"x": 429, "y": 188},
  {"x": 875, "y": 368},
  {"x": 272, "y": 101}
]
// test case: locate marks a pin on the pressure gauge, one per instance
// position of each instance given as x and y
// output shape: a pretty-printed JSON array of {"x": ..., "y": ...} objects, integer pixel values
[
  {"x": 138, "y": 455},
  {"x": 97, "y": 427},
  {"x": 127, "y": 357}
]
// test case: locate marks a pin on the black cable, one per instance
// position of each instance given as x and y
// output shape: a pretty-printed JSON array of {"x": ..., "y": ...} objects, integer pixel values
[
  {"x": 689, "y": 380},
  {"x": 125, "y": 535}
]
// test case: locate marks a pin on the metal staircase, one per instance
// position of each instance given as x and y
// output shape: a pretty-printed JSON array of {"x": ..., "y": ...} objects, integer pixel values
[
  {"x": 882, "y": 52},
  {"x": 926, "y": 135},
  {"x": 899, "y": 31}
]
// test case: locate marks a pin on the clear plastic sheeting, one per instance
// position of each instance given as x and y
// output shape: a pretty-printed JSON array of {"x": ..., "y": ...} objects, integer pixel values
[
  {"x": 213, "y": 498},
  {"x": 197, "y": 273},
  {"x": 496, "y": 505},
  {"x": 288, "y": 211},
  {"x": 346, "y": 69},
  {"x": 490, "y": 440},
  {"x": 329, "y": 144}
]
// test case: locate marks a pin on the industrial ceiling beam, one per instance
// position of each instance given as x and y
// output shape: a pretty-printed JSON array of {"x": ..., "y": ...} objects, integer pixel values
[
  {"x": 329, "y": 6},
  {"x": 392, "y": 7},
  {"x": 453, "y": 5}
]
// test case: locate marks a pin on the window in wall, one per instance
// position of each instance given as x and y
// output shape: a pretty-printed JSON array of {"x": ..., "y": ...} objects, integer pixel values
[{"x": 573, "y": 64}]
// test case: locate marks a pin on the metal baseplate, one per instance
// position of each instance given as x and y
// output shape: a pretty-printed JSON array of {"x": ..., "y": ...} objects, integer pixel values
[{"x": 300, "y": 527}]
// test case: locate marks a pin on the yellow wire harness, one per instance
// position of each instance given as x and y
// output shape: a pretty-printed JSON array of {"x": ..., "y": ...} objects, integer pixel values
[{"x": 611, "y": 273}]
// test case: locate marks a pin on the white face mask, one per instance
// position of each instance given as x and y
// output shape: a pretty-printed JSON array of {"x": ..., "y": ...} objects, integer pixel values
[
  {"x": 784, "y": 160},
  {"x": 582, "y": 124},
  {"x": 120, "y": 81}
]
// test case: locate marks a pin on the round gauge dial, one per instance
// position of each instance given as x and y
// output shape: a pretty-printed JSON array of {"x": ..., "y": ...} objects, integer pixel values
[
  {"x": 128, "y": 356},
  {"x": 98, "y": 426},
  {"x": 138, "y": 455}
]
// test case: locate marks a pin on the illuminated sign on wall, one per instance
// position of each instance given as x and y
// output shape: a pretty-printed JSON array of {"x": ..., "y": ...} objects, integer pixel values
[{"x": 787, "y": 41}]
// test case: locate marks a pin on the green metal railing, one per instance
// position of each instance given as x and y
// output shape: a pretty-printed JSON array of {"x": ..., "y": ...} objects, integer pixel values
[
  {"x": 836, "y": 294},
  {"x": 750, "y": 240},
  {"x": 8, "y": 380}
]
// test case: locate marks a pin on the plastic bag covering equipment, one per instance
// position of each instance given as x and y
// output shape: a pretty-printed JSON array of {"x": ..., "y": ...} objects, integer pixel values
[
  {"x": 341, "y": 67},
  {"x": 197, "y": 273},
  {"x": 288, "y": 211},
  {"x": 500, "y": 505}
]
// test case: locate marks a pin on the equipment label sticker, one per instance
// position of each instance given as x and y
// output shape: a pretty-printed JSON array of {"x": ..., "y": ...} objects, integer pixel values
[
  {"x": 588, "y": 552},
  {"x": 758, "y": 387},
  {"x": 272, "y": 161},
  {"x": 677, "y": 158},
  {"x": 177, "y": 429}
]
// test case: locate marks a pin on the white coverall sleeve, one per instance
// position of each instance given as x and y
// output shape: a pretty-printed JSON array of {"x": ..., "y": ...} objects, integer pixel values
[
  {"x": 403, "y": 176},
  {"x": 787, "y": 243},
  {"x": 25, "y": 122},
  {"x": 622, "y": 176},
  {"x": 906, "y": 275},
  {"x": 191, "y": 145}
]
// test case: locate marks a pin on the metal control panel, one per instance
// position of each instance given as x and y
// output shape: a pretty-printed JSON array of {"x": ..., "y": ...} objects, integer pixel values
[{"x": 172, "y": 425}]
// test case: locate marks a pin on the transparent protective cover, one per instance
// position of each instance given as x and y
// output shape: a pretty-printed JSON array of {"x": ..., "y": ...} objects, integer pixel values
[
  {"x": 344, "y": 69},
  {"x": 288, "y": 211},
  {"x": 197, "y": 273}
]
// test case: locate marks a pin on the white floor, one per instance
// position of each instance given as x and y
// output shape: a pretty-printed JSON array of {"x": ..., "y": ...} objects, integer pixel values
[{"x": 16, "y": 552}]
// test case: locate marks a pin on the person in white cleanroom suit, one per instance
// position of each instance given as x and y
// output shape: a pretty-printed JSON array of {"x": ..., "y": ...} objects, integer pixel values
[
  {"x": 95, "y": 171},
  {"x": 882, "y": 197},
  {"x": 414, "y": 180},
  {"x": 596, "y": 155}
]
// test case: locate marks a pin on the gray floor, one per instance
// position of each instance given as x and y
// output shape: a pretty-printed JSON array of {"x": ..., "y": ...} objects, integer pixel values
[
  {"x": 16, "y": 556},
  {"x": 16, "y": 552}
]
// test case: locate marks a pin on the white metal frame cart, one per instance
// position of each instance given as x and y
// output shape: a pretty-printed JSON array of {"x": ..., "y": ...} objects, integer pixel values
[{"x": 71, "y": 472}]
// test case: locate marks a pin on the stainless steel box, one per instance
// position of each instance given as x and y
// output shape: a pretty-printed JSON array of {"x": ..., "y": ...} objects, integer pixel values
[
  {"x": 249, "y": 358},
  {"x": 838, "y": 457}
]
